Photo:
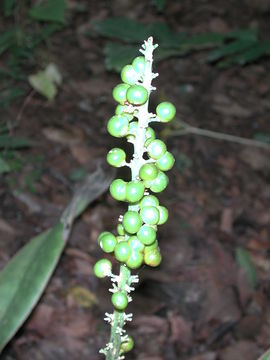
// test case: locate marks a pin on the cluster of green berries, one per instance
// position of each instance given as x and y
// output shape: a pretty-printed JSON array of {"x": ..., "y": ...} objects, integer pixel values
[{"x": 136, "y": 242}]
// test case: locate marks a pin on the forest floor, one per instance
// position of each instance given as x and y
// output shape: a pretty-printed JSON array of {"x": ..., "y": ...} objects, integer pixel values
[{"x": 198, "y": 305}]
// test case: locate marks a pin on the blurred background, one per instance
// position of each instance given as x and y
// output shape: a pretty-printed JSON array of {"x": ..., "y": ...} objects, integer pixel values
[{"x": 59, "y": 61}]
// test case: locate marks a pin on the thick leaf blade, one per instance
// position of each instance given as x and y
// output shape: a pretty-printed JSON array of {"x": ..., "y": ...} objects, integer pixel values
[
  {"x": 24, "y": 278},
  {"x": 230, "y": 49},
  {"x": 117, "y": 55},
  {"x": 52, "y": 10},
  {"x": 265, "y": 356},
  {"x": 13, "y": 142},
  {"x": 244, "y": 261}
]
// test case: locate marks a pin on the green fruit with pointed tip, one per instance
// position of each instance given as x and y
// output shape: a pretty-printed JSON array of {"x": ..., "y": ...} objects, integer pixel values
[
  {"x": 103, "y": 268},
  {"x": 132, "y": 222},
  {"x": 120, "y": 93},
  {"x": 152, "y": 258},
  {"x": 150, "y": 215},
  {"x": 118, "y": 126},
  {"x": 163, "y": 214},
  {"x": 119, "y": 300},
  {"x": 156, "y": 149},
  {"x": 148, "y": 172},
  {"x": 139, "y": 64},
  {"x": 120, "y": 229},
  {"x": 159, "y": 183},
  {"x": 146, "y": 234},
  {"x": 122, "y": 251},
  {"x": 108, "y": 242},
  {"x": 166, "y": 161},
  {"x": 166, "y": 111},
  {"x": 135, "y": 191},
  {"x": 129, "y": 75},
  {"x": 116, "y": 157},
  {"x": 135, "y": 259},
  {"x": 137, "y": 95},
  {"x": 127, "y": 345},
  {"x": 118, "y": 189}
]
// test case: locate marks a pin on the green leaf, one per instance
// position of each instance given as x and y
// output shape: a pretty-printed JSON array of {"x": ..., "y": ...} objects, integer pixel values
[
  {"x": 118, "y": 55},
  {"x": 159, "y": 4},
  {"x": 7, "y": 40},
  {"x": 263, "y": 137},
  {"x": 25, "y": 277},
  {"x": 244, "y": 261},
  {"x": 13, "y": 142},
  {"x": 244, "y": 34},
  {"x": 52, "y": 10},
  {"x": 8, "y": 7},
  {"x": 265, "y": 356},
  {"x": 4, "y": 167},
  {"x": 45, "y": 81},
  {"x": 236, "y": 46}
]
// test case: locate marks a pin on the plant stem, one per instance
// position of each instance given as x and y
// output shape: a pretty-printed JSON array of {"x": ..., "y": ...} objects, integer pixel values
[
  {"x": 125, "y": 278},
  {"x": 188, "y": 129}
]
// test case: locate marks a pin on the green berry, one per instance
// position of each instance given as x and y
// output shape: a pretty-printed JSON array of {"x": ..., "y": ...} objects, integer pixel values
[
  {"x": 135, "y": 191},
  {"x": 150, "y": 215},
  {"x": 133, "y": 128},
  {"x": 132, "y": 222},
  {"x": 100, "y": 236},
  {"x": 116, "y": 157},
  {"x": 156, "y": 149},
  {"x": 139, "y": 64},
  {"x": 149, "y": 136},
  {"x": 129, "y": 75},
  {"x": 127, "y": 345},
  {"x": 148, "y": 172},
  {"x": 103, "y": 268},
  {"x": 122, "y": 110},
  {"x": 108, "y": 242},
  {"x": 120, "y": 229},
  {"x": 118, "y": 189},
  {"x": 119, "y": 300},
  {"x": 152, "y": 258},
  {"x": 163, "y": 214},
  {"x": 135, "y": 244},
  {"x": 166, "y": 161},
  {"x": 120, "y": 93},
  {"x": 146, "y": 234},
  {"x": 135, "y": 259},
  {"x": 120, "y": 238},
  {"x": 137, "y": 95},
  {"x": 149, "y": 200},
  {"x": 159, "y": 183},
  {"x": 151, "y": 247},
  {"x": 118, "y": 126},
  {"x": 122, "y": 251},
  {"x": 166, "y": 111}
]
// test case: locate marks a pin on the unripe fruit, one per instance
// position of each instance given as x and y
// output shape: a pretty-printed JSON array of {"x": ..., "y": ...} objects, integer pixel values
[
  {"x": 156, "y": 149},
  {"x": 108, "y": 242},
  {"x": 166, "y": 161},
  {"x": 120, "y": 93},
  {"x": 146, "y": 234},
  {"x": 150, "y": 215},
  {"x": 159, "y": 183},
  {"x": 149, "y": 200},
  {"x": 152, "y": 258},
  {"x": 118, "y": 189},
  {"x": 151, "y": 247},
  {"x": 100, "y": 236},
  {"x": 149, "y": 135},
  {"x": 119, "y": 300},
  {"x": 120, "y": 229},
  {"x": 166, "y": 111},
  {"x": 135, "y": 260},
  {"x": 118, "y": 126},
  {"x": 137, "y": 95},
  {"x": 133, "y": 128},
  {"x": 116, "y": 157},
  {"x": 139, "y": 64},
  {"x": 103, "y": 268},
  {"x": 132, "y": 222},
  {"x": 163, "y": 214},
  {"x": 127, "y": 345},
  {"x": 135, "y": 191},
  {"x": 122, "y": 110},
  {"x": 129, "y": 75},
  {"x": 135, "y": 244},
  {"x": 122, "y": 251},
  {"x": 120, "y": 238},
  {"x": 148, "y": 172}
]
